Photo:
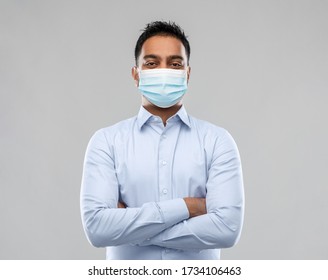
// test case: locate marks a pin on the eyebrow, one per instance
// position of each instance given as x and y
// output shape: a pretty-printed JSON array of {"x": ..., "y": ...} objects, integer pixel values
[
  {"x": 157, "y": 57},
  {"x": 151, "y": 56},
  {"x": 175, "y": 57}
]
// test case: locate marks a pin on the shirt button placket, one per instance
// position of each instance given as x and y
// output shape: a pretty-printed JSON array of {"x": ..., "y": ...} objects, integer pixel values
[{"x": 163, "y": 168}]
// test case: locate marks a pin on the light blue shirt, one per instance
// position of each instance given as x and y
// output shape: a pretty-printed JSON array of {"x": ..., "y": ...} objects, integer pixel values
[{"x": 151, "y": 168}]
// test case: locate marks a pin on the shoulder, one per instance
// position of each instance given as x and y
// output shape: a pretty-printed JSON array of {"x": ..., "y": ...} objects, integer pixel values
[
  {"x": 213, "y": 137},
  {"x": 206, "y": 128},
  {"x": 111, "y": 132},
  {"x": 218, "y": 142}
]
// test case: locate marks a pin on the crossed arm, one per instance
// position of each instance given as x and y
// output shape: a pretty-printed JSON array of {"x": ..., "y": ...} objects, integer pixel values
[
  {"x": 188, "y": 224},
  {"x": 196, "y": 206}
]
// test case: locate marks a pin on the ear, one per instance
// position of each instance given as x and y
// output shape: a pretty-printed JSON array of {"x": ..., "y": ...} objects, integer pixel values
[
  {"x": 188, "y": 73},
  {"x": 135, "y": 75}
]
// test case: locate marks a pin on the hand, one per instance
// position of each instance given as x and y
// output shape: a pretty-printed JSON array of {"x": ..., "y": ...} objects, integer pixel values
[
  {"x": 196, "y": 206},
  {"x": 121, "y": 204}
]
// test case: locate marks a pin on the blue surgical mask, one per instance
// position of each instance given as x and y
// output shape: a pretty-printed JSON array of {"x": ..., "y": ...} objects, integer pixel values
[{"x": 163, "y": 87}]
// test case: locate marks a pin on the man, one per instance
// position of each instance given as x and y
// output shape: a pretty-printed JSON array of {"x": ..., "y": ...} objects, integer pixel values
[{"x": 162, "y": 185}]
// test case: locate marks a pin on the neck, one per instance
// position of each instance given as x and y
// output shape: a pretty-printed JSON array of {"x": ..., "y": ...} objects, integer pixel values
[{"x": 163, "y": 113}]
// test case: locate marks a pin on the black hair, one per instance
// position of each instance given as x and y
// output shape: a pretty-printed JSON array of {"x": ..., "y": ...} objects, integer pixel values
[{"x": 161, "y": 28}]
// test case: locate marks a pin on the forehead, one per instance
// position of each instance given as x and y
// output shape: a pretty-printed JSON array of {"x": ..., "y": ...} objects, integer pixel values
[{"x": 163, "y": 46}]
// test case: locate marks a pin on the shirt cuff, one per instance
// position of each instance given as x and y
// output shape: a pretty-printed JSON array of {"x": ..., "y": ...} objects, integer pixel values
[{"x": 173, "y": 211}]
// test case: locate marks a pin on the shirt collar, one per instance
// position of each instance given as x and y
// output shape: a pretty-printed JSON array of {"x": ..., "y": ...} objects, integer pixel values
[{"x": 144, "y": 116}]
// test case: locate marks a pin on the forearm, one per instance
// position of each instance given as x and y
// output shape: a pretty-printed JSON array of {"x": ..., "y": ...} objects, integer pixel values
[
  {"x": 219, "y": 229},
  {"x": 135, "y": 225},
  {"x": 107, "y": 226}
]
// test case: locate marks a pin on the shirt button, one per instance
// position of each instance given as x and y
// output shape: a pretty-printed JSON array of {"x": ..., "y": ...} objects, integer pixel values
[
  {"x": 164, "y": 162},
  {"x": 164, "y": 191},
  {"x": 164, "y": 136}
]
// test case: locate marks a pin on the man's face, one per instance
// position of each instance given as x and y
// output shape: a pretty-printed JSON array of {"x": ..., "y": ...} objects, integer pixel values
[{"x": 161, "y": 52}]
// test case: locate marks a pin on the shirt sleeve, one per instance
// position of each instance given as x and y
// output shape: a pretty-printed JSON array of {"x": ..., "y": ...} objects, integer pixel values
[
  {"x": 221, "y": 226},
  {"x": 104, "y": 223}
]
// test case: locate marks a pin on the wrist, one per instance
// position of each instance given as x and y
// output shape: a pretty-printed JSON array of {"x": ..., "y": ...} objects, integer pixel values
[{"x": 196, "y": 206}]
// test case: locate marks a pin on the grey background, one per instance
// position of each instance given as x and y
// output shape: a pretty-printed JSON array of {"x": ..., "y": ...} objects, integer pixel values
[{"x": 259, "y": 69}]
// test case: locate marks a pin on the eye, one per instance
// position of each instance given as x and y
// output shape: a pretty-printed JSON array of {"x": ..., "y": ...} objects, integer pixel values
[
  {"x": 150, "y": 64},
  {"x": 176, "y": 65}
]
